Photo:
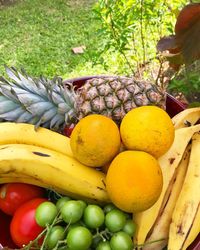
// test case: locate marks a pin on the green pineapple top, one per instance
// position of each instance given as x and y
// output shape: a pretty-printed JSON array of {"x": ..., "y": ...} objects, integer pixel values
[{"x": 41, "y": 101}]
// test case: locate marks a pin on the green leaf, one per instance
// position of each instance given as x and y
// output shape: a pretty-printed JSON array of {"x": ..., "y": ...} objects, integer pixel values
[{"x": 194, "y": 104}]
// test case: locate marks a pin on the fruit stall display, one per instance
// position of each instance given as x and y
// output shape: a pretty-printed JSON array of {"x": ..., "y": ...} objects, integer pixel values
[{"x": 126, "y": 176}]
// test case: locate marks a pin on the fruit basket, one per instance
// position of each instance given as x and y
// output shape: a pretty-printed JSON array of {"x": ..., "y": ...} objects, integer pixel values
[{"x": 173, "y": 107}]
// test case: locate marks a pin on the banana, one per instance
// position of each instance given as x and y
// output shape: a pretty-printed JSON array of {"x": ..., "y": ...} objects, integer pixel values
[
  {"x": 186, "y": 118},
  {"x": 53, "y": 170},
  {"x": 188, "y": 202},
  {"x": 168, "y": 163},
  {"x": 23, "y": 133},
  {"x": 160, "y": 229}
]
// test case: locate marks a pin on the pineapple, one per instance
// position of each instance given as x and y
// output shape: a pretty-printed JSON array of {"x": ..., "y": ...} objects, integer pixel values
[{"x": 54, "y": 103}]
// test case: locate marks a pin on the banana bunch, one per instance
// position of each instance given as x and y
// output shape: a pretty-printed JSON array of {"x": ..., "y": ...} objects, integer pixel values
[
  {"x": 44, "y": 158},
  {"x": 174, "y": 220}
]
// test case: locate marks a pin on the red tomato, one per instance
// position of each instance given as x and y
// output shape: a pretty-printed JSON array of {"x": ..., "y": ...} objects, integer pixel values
[
  {"x": 13, "y": 195},
  {"x": 68, "y": 130},
  {"x": 23, "y": 227}
]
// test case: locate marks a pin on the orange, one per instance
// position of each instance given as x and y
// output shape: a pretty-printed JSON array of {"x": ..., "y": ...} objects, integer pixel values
[
  {"x": 95, "y": 140},
  {"x": 134, "y": 181},
  {"x": 149, "y": 129}
]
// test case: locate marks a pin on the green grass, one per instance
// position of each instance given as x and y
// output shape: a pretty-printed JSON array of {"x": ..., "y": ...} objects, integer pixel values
[{"x": 39, "y": 36}]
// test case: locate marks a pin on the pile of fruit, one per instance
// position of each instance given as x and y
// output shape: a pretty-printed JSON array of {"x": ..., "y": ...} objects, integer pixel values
[{"x": 127, "y": 178}]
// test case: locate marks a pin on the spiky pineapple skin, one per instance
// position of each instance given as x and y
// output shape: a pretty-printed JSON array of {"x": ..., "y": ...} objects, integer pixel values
[
  {"x": 55, "y": 103},
  {"x": 115, "y": 96}
]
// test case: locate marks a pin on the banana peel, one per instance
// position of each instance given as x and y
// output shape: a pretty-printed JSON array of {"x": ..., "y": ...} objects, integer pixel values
[
  {"x": 188, "y": 203},
  {"x": 168, "y": 163},
  {"x": 195, "y": 230},
  {"x": 186, "y": 118},
  {"x": 161, "y": 225}
]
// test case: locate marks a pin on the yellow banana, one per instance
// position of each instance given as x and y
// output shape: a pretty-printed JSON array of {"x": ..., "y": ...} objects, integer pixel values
[
  {"x": 23, "y": 133},
  {"x": 160, "y": 229},
  {"x": 53, "y": 170},
  {"x": 186, "y": 118},
  {"x": 168, "y": 163},
  {"x": 188, "y": 202}
]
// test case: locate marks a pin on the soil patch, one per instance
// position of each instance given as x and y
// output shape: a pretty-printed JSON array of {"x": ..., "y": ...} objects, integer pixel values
[{"x": 7, "y": 2}]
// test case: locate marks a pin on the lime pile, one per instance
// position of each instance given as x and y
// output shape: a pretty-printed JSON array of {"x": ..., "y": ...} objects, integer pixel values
[{"x": 76, "y": 225}]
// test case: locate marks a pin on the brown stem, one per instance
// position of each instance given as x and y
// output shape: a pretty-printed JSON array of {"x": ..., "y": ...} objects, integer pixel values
[
  {"x": 141, "y": 29},
  {"x": 117, "y": 39}
]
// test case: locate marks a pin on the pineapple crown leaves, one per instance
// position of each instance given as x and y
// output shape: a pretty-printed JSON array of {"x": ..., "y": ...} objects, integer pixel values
[{"x": 40, "y": 101}]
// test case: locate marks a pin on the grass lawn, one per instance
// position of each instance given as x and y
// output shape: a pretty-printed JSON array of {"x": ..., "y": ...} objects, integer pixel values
[{"x": 39, "y": 36}]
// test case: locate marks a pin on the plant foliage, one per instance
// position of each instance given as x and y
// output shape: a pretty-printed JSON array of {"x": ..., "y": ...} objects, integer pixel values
[
  {"x": 183, "y": 45},
  {"x": 183, "y": 48},
  {"x": 131, "y": 29}
]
